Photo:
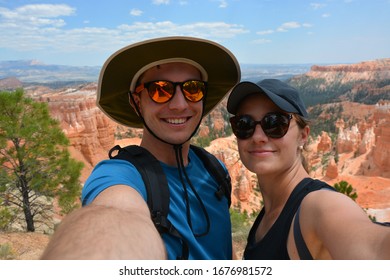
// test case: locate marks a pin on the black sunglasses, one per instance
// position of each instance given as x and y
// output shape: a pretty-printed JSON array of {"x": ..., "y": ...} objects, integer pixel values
[
  {"x": 274, "y": 125},
  {"x": 163, "y": 91}
]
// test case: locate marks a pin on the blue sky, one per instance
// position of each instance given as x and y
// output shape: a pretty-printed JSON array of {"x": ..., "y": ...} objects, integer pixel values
[{"x": 87, "y": 32}]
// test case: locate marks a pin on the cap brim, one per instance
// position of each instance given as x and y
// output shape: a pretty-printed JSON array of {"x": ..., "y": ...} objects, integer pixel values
[
  {"x": 238, "y": 93},
  {"x": 115, "y": 77},
  {"x": 243, "y": 89}
]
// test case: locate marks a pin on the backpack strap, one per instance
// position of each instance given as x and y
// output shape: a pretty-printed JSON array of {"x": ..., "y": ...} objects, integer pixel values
[
  {"x": 303, "y": 251},
  {"x": 217, "y": 171},
  {"x": 156, "y": 188}
]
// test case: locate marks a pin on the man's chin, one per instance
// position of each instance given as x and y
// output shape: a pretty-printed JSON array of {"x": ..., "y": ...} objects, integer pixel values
[{"x": 176, "y": 139}]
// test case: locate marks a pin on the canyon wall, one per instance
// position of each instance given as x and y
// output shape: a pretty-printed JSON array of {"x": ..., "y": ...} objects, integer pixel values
[
  {"x": 363, "y": 149},
  {"x": 359, "y": 153}
]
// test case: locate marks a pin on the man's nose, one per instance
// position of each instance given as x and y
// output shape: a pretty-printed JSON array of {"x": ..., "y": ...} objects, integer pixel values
[{"x": 178, "y": 101}]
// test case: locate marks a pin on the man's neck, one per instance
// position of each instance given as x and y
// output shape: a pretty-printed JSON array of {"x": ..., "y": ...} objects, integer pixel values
[{"x": 162, "y": 151}]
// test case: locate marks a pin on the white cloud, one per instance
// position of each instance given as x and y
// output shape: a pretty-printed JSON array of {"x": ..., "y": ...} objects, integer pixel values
[
  {"x": 288, "y": 25},
  {"x": 45, "y": 33},
  {"x": 33, "y": 27},
  {"x": 292, "y": 25},
  {"x": 52, "y": 37},
  {"x": 215, "y": 30},
  {"x": 262, "y": 41},
  {"x": 285, "y": 27},
  {"x": 265, "y": 32},
  {"x": 223, "y": 4},
  {"x": 161, "y": 2},
  {"x": 45, "y": 10},
  {"x": 317, "y": 6},
  {"x": 136, "y": 12},
  {"x": 325, "y": 15},
  {"x": 35, "y": 15}
]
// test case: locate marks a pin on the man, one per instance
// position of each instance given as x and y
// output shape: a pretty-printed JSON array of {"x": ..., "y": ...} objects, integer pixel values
[{"x": 166, "y": 86}]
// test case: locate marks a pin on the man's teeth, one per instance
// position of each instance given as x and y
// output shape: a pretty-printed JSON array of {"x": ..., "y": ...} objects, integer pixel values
[{"x": 177, "y": 121}]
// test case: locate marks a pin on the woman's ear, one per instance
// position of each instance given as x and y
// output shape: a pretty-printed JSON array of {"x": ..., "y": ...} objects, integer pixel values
[{"x": 305, "y": 134}]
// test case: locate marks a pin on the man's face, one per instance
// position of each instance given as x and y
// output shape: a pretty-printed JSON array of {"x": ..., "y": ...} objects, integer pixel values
[{"x": 175, "y": 120}]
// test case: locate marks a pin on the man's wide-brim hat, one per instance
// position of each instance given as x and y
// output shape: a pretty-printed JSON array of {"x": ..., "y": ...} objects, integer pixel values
[{"x": 219, "y": 67}]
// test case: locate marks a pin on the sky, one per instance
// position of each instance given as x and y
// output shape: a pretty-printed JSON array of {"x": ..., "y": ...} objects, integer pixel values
[{"x": 87, "y": 32}]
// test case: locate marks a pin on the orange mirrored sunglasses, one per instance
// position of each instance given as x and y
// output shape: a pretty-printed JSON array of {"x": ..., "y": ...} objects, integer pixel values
[{"x": 162, "y": 91}]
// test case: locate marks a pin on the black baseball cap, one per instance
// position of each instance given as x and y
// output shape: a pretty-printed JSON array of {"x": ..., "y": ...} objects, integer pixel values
[{"x": 283, "y": 95}]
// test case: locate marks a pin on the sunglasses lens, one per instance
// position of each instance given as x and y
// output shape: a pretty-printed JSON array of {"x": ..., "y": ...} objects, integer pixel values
[
  {"x": 194, "y": 90},
  {"x": 274, "y": 125},
  {"x": 243, "y": 126},
  {"x": 161, "y": 91}
]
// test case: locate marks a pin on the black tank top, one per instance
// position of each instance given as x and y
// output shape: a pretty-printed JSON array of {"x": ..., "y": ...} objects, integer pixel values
[{"x": 273, "y": 246}]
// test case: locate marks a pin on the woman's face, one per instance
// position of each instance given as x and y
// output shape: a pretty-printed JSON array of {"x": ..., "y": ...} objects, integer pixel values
[{"x": 264, "y": 155}]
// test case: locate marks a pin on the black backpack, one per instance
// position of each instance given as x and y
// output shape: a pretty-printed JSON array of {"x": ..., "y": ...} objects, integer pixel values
[{"x": 158, "y": 197}]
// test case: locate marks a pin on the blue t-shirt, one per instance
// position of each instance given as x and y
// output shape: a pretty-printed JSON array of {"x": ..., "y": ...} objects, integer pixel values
[{"x": 216, "y": 245}]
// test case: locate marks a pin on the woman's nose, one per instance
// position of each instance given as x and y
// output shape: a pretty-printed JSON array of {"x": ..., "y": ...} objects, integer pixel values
[{"x": 258, "y": 134}]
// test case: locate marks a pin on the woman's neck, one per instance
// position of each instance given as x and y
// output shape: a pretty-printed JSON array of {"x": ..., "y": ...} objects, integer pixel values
[{"x": 276, "y": 189}]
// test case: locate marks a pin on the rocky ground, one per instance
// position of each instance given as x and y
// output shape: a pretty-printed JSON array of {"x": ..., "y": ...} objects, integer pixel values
[{"x": 22, "y": 246}]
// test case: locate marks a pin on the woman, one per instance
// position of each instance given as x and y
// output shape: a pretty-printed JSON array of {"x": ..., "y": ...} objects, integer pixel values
[{"x": 270, "y": 123}]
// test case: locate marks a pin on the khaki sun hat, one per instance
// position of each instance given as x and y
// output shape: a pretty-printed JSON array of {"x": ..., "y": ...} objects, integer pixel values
[{"x": 119, "y": 74}]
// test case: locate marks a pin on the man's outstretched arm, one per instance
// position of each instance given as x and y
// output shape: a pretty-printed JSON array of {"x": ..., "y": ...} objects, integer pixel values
[{"x": 116, "y": 225}]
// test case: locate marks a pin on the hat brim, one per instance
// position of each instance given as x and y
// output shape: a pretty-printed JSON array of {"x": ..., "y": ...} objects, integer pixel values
[
  {"x": 243, "y": 89},
  {"x": 115, "y": 77}
]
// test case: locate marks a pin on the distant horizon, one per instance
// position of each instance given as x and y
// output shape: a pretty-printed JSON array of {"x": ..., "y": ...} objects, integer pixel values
[
  {"x": 30, "y": 71},
  {"x": 43, "y": 63}
]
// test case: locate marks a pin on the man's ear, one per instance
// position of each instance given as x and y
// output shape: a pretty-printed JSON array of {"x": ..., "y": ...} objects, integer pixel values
[{"x": 135, "y": 102}]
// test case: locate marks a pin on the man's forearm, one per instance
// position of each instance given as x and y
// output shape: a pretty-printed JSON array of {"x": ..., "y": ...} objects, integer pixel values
[{"x": 98, "y": 232}]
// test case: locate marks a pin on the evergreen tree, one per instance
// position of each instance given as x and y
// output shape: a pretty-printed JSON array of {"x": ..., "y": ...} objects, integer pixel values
[
  {"x": 347, "y": 189},
  {"x": 35, "y": 164}
]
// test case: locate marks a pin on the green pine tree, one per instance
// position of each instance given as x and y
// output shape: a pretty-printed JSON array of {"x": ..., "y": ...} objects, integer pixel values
[
  {"x": 35, "y": 164},
  {"x": 347, "y": 189}
]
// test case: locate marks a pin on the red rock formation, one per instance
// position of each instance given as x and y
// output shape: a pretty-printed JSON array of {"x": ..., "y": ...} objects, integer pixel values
[
  {"x": 368, "y": 140},
  {"x": 363, "y": 77},
  {"x": 331, "y": 170},
  {"x": 363, "y": 149},
  {"x": 88, "y": 129},
  {"x": 325, "y": 143},
  {"x": 348, "y": 140},
  {"x": 204, "y": 131},
  {"x": 381, "y": 152},
  {"x": 92, "y": 134},
  {"x": 218, "y": 123},
  {"x": 246, "y": 195},
  {"x": 382, "y": 65}
]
